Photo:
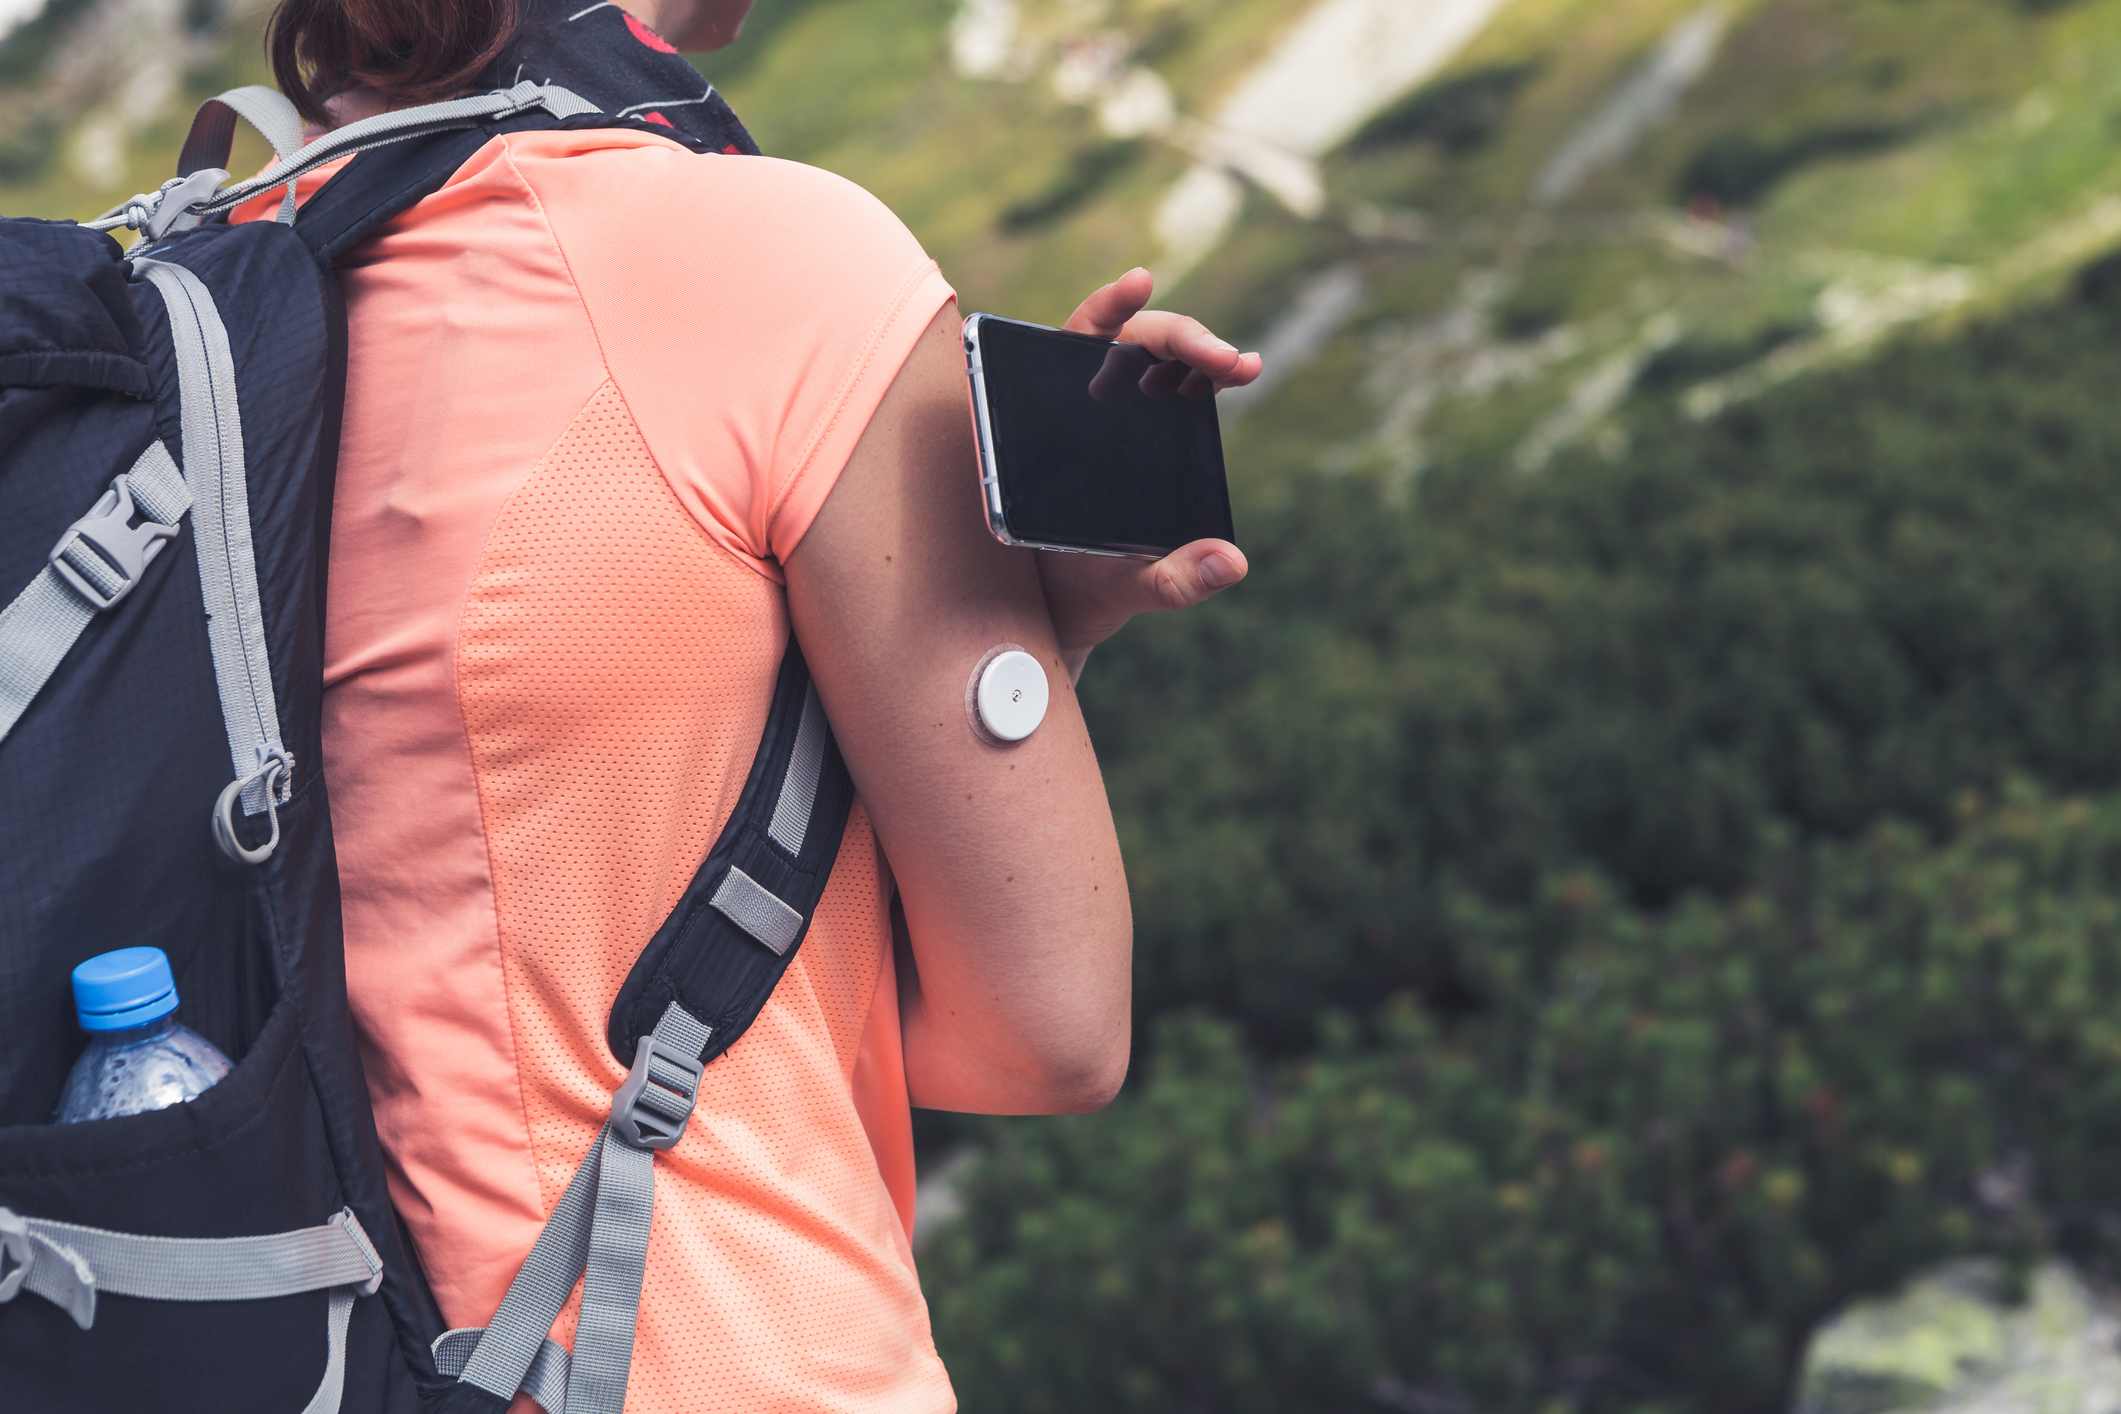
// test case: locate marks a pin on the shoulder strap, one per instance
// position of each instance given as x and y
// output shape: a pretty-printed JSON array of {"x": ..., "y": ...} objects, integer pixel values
[
  {"x": 385, "y": 182},
  {"x": 213, "y": 132},
  {"x": 185, "y": 201},
  {"x": 381, "y": 185},
  {"x": 724, "y": 947},
  {"x": 213, "y": 127}
]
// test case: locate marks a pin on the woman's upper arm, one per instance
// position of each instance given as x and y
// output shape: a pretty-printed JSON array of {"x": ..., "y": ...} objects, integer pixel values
[{"x": 1005, "y": 857}]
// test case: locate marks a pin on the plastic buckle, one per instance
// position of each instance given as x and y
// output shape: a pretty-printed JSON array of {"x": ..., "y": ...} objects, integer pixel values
[
  {"x": 646, "y": 1112},
  {"x": 107, "y": 542},
  {"x": 174, "y": 207}
]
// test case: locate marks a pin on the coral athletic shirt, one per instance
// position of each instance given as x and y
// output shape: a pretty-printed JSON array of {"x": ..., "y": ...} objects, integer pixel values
[{"x": 598, "y": 388}]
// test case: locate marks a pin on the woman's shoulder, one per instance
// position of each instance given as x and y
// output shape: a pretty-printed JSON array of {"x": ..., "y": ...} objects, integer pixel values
[
  {"x": 738, "y": 302},
  {"x": 651, "y": 191}
]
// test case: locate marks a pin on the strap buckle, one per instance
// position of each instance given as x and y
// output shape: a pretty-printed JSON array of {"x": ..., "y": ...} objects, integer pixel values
[
  {"x": 650, "y": 1111},
  {"x": 173, "y": 206},
  {"x": 103, "y": 554},
  {"x": 32, "y": 1262}
]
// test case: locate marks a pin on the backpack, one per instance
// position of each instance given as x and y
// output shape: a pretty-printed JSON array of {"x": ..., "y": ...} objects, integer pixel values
[{"x": 169, "y": 427}]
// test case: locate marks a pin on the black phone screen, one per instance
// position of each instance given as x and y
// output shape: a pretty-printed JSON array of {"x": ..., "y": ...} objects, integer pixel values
[{"x": 1094, "y": 446}]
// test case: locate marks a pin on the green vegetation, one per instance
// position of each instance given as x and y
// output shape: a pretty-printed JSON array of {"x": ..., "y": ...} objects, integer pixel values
[
  {"x": 1733, "y": 828},
  {"x": 1694, "y": 360},
  {"x": 1738, "y": 169},
  {"x": 1637, "y": 1187},
  {"x": 1459, "y": 114},
  {"x": 1087, "y": 173}
]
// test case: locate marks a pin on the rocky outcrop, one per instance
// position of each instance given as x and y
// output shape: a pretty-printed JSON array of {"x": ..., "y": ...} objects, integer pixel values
[{"x": 1954, "y": 1342}]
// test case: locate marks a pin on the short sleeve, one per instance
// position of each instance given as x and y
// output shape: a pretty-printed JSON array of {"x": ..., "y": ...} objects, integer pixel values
[{"x": 752, "y": 312}]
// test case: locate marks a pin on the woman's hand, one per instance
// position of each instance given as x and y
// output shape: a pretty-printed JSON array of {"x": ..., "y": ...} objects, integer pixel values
[{"x": 1092, "y": 597}]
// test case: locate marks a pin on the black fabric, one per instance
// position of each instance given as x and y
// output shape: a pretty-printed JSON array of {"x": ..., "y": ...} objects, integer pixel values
[
  {"x": 622, "y": 66},
  {"x": 722, "y": 974},
  {"x": 463, "y": 1398},
  {"x": 65, "y": 318}
]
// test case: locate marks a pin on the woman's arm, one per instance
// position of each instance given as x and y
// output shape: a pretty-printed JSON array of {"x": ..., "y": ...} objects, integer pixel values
[{"x": 1006, "y": 859}]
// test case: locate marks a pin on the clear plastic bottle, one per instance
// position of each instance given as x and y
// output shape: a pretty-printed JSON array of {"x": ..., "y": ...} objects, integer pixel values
[{"x": 138, "y": 1058}]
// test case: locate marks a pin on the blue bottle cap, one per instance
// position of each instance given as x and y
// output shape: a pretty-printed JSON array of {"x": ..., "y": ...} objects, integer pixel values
[{"x": 115, "y": 991}]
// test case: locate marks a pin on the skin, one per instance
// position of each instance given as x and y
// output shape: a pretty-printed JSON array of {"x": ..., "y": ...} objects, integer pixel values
[{"x": 1016, "y": 917}]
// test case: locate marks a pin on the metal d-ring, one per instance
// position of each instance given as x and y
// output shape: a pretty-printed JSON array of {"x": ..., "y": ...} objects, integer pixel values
[{"x": 278, "y": 763}]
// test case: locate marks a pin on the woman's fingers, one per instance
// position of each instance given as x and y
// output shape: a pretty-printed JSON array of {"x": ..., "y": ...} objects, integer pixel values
[
  {"x": 1164, "y": 379},
  {"x": 1190, "y": 575},
  {"x": 1248, "y": 369},
  {"x": 1185, "y": 339},
  {"x": 1106, "y": 312},
  {"x": 1120, "y": 311},
  {"x": 1093, "y": 598}
]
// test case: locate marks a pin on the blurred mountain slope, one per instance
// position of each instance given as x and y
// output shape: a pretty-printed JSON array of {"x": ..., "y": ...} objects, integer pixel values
[{"x": 1593, "y": 201}]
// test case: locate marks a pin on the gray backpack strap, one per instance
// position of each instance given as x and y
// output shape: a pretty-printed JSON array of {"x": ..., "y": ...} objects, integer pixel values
[
  {"x": 68, "y": 1265},
  {"x": 263, "y": 769},
  {"x": 213, "y": 132},
  {"x": 182, "y": 203},
  {"x": 597, "y": 1235}
]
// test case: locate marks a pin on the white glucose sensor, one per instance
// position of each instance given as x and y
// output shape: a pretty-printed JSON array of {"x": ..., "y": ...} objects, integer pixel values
[{"x": 1010, "y": 694}]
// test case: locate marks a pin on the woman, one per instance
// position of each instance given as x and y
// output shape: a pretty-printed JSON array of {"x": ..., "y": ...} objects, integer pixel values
[{"x": 619, "y": 419}]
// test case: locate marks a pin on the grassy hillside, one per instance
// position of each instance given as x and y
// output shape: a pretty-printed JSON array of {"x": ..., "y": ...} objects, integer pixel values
[{"x": 1836, "y": 170}]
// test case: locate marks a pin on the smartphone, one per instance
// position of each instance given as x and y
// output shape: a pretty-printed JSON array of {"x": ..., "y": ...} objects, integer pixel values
[{"x": 1086, "y": 446}]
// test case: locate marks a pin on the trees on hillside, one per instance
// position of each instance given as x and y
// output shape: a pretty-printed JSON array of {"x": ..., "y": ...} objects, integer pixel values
[{"x": 1636, "y": 1187}]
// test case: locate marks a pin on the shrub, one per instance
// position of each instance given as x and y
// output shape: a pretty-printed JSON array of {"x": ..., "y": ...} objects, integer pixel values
[
  {"x": 1084, "y": 176},
  {"x": 1636, "y": 1184},
  {"x": 1459, "y": 114},
  {"x": 1739, "y": 169},
  {"x": 1696, "y": 358}
]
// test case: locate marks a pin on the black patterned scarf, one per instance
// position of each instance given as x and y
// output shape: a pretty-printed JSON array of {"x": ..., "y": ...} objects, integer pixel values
[{"x": 618, "y": 63}]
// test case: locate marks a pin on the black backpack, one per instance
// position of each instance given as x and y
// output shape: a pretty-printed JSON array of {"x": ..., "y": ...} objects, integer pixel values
[{"x": 169, "y": 427}]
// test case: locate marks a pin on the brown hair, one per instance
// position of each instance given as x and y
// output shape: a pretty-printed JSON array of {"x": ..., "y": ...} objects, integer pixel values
[{"x": 409, "y": 50}]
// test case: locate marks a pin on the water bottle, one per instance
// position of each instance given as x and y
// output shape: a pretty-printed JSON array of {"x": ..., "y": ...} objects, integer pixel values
[{"x": 138, "y": 1058}]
